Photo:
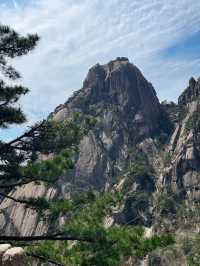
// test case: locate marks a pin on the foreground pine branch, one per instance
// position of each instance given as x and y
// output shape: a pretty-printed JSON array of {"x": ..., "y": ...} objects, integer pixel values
[
  {"x": 47, "y": 237},
  {"x": 41, "y": 258}
]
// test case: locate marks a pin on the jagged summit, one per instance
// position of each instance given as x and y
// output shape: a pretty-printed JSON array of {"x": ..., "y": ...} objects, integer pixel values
[
  {"x": 123, "y": 151},
  {"x": 113, "y": 63},
  {"x": 127, "y": 111},
  {"x": 191, "y": 92},
  {"x": 118, "y": 86}
]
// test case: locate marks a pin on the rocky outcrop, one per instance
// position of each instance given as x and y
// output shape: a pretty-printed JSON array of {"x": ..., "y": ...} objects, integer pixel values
[
  {"x": 127, "y": 111},
  {"x": 191, "y": 93},
  {"x": 182, "y": 174},
  {"x": 12, "y": 256},
  {"x": 132, "y": 129},
  {"x": 3, "y": 249},
  {"x": 118, "y": 87},
  {"x": 128, "y": 114},
  {"x": 17, "y": 219}
]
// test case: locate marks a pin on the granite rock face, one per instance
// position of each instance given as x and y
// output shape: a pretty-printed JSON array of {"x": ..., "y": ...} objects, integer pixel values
[
  {"x": 128, "y": 113},
  {"x": 130, "y": 122},
  {"x": 191, "y": 93},
  {"x": 127, "y": 110},
  {"x": 118, "y": 87},
  {"x": 183, "y": 172},
  {"x": 16, "y": 219}
]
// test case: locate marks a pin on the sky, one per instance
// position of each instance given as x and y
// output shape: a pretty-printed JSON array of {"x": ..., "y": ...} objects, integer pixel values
[{"x": 161, "y": 37}]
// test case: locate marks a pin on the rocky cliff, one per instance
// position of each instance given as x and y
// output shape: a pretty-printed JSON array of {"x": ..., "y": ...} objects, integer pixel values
[
  {"x": 136, "y": 147},
  {"x": 127, "y": 111},
  {"x": 182, "y": 173}
]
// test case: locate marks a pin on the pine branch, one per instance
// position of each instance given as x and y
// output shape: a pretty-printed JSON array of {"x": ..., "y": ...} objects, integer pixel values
[
  {"x": 48, "y": 237},
  {"x": 25, "y": 135},
  {"x": 44, "y": 259},
  {"x": 11, "y": 115},
  {"x": 21, "y": 183},
  {"x": 13, "y": 45},
  {"x": 14, "y": 199}
]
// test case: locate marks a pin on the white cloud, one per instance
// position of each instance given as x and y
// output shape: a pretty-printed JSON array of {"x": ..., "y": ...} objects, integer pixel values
[{"x": 77, "y": 34}]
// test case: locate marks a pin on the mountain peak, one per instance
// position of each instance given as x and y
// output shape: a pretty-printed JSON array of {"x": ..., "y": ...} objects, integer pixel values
[
  {"x": 119, "y": 91},
  {"x": 191, "y": 93},
  {"x": 118, "y": 61},
  {"x": 102, "y": 71}
]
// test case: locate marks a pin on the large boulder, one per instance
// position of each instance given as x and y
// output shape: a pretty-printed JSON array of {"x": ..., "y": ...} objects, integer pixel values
[
  {"x": 12, "y": 256},
  {"x": 3, "y": 249}
]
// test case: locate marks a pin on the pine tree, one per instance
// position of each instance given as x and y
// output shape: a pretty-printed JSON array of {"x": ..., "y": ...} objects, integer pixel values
[{"x": 12, "y": 45}]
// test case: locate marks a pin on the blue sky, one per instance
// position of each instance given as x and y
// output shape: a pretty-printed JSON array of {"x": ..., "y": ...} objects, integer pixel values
[{"x": 161, "y": 37}]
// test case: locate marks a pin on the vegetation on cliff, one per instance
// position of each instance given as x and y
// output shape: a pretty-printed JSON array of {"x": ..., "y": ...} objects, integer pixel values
[{"x": 123, "y": 186}]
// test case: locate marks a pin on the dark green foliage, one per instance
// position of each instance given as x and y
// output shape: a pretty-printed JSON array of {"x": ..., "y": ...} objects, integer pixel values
[
  {"x": 142, "y": 175},
  {"x": 10, "y": 114},
  {"x": 191, "y": 247},
  {"x": 40, "y": 204},
  {"x": 67, "y": 207},
  {"x": 151, "y": 244},
  {"x": 188, "y": 215},
  {"x": 10, "y": 164},
  {"x": 165, "y": 127},
  {"x": 118, "y": 244},
  {"x": 49, "y": 170},
  {"x": 91, "y": 217},
  {"x": 174, "y": 212},
  {"x": 50, "y": 250},
  {"x": 136, "y": 209},
  {"x": 176, "y": 112},
  {"x": 167, "y": 204},
  {"x": 54, "y": 136},
  {"x": 171, "y": 114},
  {"x": 113, "y": 245},
  {"x": 12, "y": 45},
  {"x": 194, "y": 120},
  {"x": 137, "y": 188},
  {"x": 57, "y": 141},
  {"x": 139, "y": 172}
]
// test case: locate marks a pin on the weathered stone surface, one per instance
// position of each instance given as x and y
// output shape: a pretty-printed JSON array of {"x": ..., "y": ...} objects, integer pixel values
[
  {"x": 91, "y": 164},
  {"x": 127, "y": 110},
  {"x": 16, "y": 218},
  {"x": 3, "y": 249},
  {"x": 130, "y": 121},
  {"x": 183, "y": 173},
  {"x": 191, "y": 93},
  {"x": 128, "y": 113},
  {"x": 14, "y": 257}
]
